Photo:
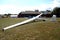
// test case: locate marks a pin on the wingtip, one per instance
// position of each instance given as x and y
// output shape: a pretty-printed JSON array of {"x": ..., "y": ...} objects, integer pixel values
[{"x": 2, "y": 29}]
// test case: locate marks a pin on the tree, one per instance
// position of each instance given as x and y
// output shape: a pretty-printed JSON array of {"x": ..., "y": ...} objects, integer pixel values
[
  {"x": 48, "y": 10},
  {"x": 36, "y": 10},
  {"x": 56, "y": 11},
  {"x": 5, "y": 16},
  {"x": 8, "y": 14}
]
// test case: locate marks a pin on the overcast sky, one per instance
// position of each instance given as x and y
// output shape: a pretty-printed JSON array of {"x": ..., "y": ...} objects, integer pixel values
[{"x": 16, "y": 6}]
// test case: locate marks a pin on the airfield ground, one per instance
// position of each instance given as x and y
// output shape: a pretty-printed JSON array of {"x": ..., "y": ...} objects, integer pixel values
[{"x": 38, "y": 30}]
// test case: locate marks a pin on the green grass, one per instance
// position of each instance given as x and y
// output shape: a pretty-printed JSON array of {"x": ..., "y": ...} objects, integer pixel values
[{"x": 32, "y": 31}]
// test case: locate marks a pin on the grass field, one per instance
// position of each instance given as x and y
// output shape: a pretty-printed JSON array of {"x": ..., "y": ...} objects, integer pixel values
[{"x": 32, "y": 31}]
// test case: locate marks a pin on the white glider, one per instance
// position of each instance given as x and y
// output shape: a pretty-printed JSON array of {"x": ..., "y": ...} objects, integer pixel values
[{"x": 26, "y": 21}]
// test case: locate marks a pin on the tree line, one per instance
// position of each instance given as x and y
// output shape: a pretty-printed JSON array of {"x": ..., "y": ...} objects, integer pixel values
[{"x": 56, "y": 11}]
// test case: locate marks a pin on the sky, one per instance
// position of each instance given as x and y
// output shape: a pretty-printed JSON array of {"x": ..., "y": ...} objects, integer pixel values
[{"x": 16, "y": 6}]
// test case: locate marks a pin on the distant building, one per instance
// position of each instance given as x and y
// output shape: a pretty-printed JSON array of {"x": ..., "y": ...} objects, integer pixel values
[
  {"x": 31, "y": 14},
  {"x": 46, "y": 13},
  {"x": 13, "y": 16},
  {"x": 28, "y": 14}
]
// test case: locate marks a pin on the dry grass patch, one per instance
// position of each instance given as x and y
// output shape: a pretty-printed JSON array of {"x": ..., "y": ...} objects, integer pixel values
[{"x": 32, "y": 31}]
